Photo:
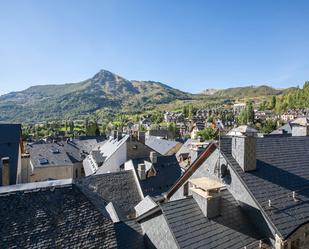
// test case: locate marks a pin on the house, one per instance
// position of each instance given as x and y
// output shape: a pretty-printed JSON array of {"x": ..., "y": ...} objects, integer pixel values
[
  {"x": 197, "y": 127},
  {"x": 291, "y": 115},
  {"x": 56, "y": 160},
  {"x": 160, "y": 133},
  {"x": 10, "y": 154},
  {"x": 283, "y": 130},
  {"x": 162, "y": 146},
  {"x": 238, "y": 107},
  {"x": 190, "y": 151},
  {"x": 146, "y": 122},
  {"x": 300, "y": 126},
  {"x": 263, "y": 115},
  {"x": 173, "y": 117},
  {"x": 155, "y": 174},
  {"x": 191, "y": 223},
  {"x": 260, "y": 183},
  {"x": 115, "y": 151}
]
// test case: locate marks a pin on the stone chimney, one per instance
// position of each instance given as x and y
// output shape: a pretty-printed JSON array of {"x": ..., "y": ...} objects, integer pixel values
[
  {"x": 244, "y": 147},
  {"x": 196, "y": 150},
  {"x": 300, "y": 127},
  {"x": 141, "y": 171},
  {"x": 115, "y": 133},
  {"x": 119, "y": 135},
  {"x": 141, "y": 137},
  {"x": 5, "y": 171},
  {"x": 206, "y": 193},
  {"x": 153, "y": 157}
]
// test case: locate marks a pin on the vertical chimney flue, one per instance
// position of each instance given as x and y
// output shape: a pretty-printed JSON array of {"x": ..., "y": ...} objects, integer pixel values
[
  {"x": 5, "y": 171},
  {"x": 244, "y": 147},
  {"x": 153, "y": 157},
  {"x": 141, "y": 171}
]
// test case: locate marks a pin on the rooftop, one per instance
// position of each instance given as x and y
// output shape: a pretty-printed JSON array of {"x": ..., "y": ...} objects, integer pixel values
[
  {"x": 162, "y": 146},
  {"x": 44, "y": 216},
  {"x": 191, "y": 229},
  {"x": 282, "y": 167},
  {"x": 51, "y": 154},
  {"x": 120, "y": 188},
  {"x": 167, "y": 172}
]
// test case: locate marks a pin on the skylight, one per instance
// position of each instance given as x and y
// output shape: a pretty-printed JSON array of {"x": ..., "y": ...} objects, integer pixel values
[{"x": 43, "y": 161}]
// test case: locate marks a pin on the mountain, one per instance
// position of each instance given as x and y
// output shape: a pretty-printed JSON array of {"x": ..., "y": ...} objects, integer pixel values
[
  {"x": 210, "y": 91},
  {"x": 103, "y": 90},
  {"x": 249, "y": 91},
  {"x": 106, "y": 94}
]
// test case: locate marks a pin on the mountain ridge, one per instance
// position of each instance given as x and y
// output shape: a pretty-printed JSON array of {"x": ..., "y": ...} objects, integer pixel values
[{"x": 105, "y": 90}]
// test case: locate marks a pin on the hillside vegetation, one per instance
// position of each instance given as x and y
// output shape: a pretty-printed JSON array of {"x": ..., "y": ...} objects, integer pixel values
[{"x": 107, "y": 94}]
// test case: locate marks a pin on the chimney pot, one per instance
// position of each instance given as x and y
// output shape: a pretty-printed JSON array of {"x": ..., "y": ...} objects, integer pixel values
[
  {"x": 141, "y": 170},
  {"x": 244, "y": 147},
  {"x": 153, "y": 157},
  {"x": 5, "y": 171}
]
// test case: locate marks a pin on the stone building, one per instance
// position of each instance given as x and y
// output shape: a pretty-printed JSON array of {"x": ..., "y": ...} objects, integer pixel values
[{"x": 249, "y": 192}]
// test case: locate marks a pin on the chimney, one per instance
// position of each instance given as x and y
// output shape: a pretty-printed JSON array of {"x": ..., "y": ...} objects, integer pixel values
[
  {"x": 244, "y": 147},
  {"x": 196, "y": 150},
  {"x": 300, "y": 127},
  {"x": 141, "y": 137},
  {"x": 153, "y": 157},
  {"x": 119, "y": 135},
  {"x": 141, "y": 171},
  {"x": 206, "y": 193},
  {"x": 5, "y": 171},
  {"x": 114, "y": 134}
]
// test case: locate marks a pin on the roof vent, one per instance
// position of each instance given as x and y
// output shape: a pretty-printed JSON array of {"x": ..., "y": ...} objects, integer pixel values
[
  {"x": 43, "y": 161},
  {"x": 294, "y": 195},
  {"x": 54, "y": 151}
]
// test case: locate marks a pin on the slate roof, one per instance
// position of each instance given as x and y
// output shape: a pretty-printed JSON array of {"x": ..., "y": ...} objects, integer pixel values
[
  {"x": 162, "y": 146},
  {"x": 129, "y": 235},
  {"x": 85, "y": 144},
  {"x": 285, "y": 129},
  {"x": 191, "y": 229},
  {"x": 45, "y": 151},
  {"x": 168, "y": 171},
  {"x": 185, "y": 148},
  {"x": 120, "y": 188},
  {"x": 10, "y": 135},
  {"x": 69, "y": 152},
  {"x": 109, "y": 147},
  {"x": 282, "y": 167},
  {"x": 53, "y": 217}
]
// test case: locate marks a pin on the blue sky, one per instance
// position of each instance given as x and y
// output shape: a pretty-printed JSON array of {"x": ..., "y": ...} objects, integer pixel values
[{"x": 190, "y": 45}]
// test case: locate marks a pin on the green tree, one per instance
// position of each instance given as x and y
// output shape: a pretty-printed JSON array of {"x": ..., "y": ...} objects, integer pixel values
[
  {"x": 208, "y": 133},
  {"x": 242, "y": 118},
  {"x": 250, "y": 113}
]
